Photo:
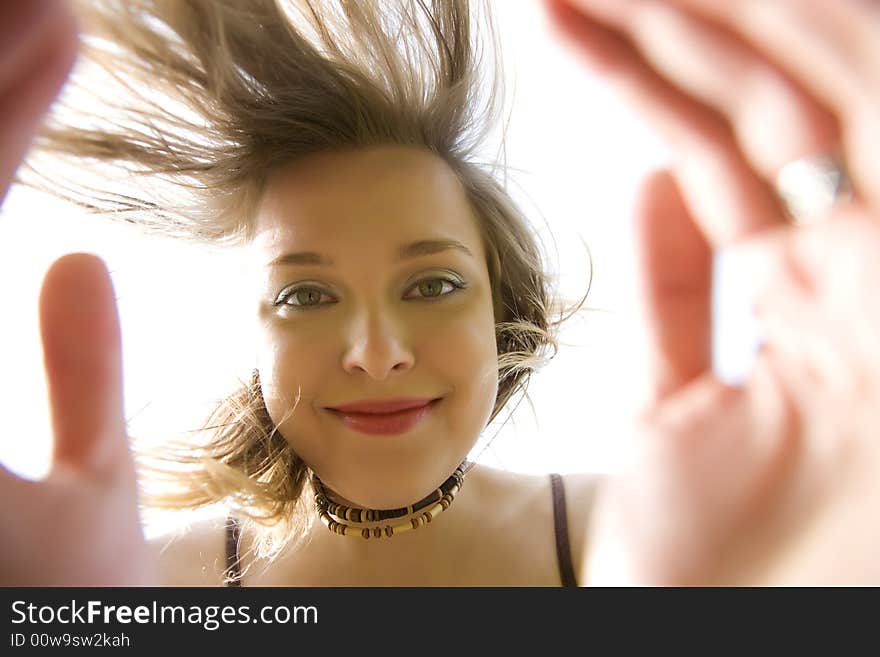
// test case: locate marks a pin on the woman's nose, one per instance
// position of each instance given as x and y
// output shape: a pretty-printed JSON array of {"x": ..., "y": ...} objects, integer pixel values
[{"x": 378, "y": 347}]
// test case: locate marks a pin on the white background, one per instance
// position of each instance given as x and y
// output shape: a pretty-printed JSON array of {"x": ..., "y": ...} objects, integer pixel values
[{"x": 577, "y": 155}]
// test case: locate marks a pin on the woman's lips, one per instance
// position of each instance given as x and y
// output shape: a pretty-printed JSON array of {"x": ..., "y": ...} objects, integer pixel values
[{"x": 385, "y": 423}]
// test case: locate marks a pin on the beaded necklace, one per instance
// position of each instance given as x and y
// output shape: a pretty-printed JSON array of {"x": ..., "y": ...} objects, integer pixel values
[{"x": 337, "y": 516}]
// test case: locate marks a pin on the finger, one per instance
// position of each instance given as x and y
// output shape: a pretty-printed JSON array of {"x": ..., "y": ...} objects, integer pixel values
[
  {"x": 601, "y": 48},
  {"x": 811, "y": 360},
  {"x": 82, "y": 353},
  {"x": 800, "y": 330},
  {"x": 38, "y": 44},
  {"x": 775, "y": 120},
  {"x": 720, "y": 187},
  {"x": 840, "y": 268},
  {"x": 832, "y": 49},
  {"x": 675, "y": 274}
]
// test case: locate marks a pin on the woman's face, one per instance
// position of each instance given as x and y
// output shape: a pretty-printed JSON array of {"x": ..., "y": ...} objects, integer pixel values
[{"x": 362, "y": 318}]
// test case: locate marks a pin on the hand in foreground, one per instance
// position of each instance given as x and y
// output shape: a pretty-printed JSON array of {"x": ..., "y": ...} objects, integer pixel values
[
  {"x": 78, "y": 526},
  {"x": 776, "y": 482}
]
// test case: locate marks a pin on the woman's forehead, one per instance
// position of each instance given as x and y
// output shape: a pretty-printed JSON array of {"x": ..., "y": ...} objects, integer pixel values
[{"x": 392, "y": 195}]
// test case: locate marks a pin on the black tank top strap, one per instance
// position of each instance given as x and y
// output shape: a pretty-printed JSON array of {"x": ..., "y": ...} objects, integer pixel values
[
  {"x": 560, "y": 521},
  {"x": 233, "y": 563}
]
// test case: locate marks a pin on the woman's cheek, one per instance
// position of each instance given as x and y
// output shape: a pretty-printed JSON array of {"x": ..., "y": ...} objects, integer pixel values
[
  {"x": 290, "y": 367},
  {"x": 470, "y": 362}
]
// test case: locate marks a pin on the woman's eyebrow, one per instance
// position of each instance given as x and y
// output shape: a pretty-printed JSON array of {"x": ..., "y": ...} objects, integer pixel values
[{"x": 404, "y": 252}]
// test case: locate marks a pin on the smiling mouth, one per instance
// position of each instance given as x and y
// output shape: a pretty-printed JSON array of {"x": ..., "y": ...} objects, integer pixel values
[{"x": 386, "y": 423}]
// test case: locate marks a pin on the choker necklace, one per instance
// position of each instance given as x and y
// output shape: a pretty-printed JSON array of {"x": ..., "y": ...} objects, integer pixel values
[{"x": 334, "y": 516}]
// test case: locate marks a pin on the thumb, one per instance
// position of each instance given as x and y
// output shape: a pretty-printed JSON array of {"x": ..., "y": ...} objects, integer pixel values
[
  {"x": 38, "y": 47},
  {"x": 675, "y": 281},
  {"x": 82, "y": 348}
]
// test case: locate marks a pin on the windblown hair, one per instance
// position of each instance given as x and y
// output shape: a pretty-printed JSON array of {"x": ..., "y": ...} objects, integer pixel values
[{"x": 202, "y": 100}]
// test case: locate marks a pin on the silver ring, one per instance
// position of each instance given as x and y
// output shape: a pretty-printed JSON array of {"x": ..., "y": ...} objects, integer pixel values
[{"x": 811, "y": 187}]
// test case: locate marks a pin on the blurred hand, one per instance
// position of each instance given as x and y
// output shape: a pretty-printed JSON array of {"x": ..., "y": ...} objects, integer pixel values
[
  {"x": 79, "y": 526},
  {"x": 775, "y": 482}
]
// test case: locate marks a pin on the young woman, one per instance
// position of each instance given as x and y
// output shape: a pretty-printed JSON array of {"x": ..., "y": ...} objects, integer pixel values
[{"x": 335, "y": 143}]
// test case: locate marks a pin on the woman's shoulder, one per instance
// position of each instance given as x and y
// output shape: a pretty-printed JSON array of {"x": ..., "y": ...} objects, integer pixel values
[
  {"x": 192, "y": 553},
  {"x": 578, "y": 487},
  {"x": 528, "y": 500}
]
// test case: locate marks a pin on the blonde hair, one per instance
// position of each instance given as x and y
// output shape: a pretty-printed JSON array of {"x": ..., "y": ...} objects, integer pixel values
[{"x": 214, "y": 95}]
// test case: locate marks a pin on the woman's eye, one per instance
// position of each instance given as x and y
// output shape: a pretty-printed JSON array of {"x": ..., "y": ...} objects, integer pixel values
[
  {"x": 305, "y": 297},
  {"x": 433, "y": 287},
  {"x": 309, "y": 297}
]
